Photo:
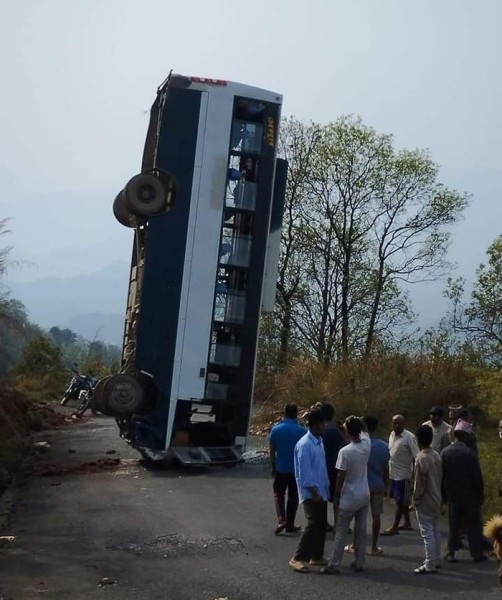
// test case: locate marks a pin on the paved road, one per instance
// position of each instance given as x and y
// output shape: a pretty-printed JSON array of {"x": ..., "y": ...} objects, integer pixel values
[{"x": 181, "y": 535}]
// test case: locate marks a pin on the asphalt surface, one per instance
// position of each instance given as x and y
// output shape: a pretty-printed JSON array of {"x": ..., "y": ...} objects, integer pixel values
[{"x": 93, "y": 521}]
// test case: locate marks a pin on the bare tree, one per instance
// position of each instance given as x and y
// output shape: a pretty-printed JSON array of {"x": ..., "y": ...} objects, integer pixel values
[
  {"x": 410, "y": 232},
  {"x": 360, "y": 218},
  {"x": 297, "y": 144}
]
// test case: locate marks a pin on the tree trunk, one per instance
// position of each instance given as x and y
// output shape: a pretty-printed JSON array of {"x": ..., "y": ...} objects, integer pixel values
[
  {"x": 285, "y": 335},
  {"x": 374, "y": 310}
]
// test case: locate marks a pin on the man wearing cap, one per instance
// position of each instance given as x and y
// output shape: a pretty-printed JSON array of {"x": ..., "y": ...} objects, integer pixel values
[
  {"x": 439, "y": 427},
  {"x": 463, "y": 486}
]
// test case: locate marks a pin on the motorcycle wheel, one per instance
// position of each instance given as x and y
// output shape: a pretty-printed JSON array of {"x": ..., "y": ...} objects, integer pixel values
[
  {"x": 65, "y": 398},
  {"x": 84, "y": 404}
]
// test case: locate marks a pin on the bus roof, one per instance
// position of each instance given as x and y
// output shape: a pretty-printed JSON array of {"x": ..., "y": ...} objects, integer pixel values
[{"x": 209, "y": 84}]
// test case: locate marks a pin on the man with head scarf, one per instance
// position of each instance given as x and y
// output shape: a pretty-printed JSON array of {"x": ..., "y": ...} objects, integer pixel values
[{"x": 463, "y": 487}]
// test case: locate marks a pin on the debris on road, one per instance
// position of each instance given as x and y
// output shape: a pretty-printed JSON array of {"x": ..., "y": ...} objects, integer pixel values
[
  {"x": 42, "y": 446},
  {"x": 255, "y": 457},
  {"x": 102, "y": 464},
  {"x": 107, "y": 581},
  {"x": 6, "y": 539}
]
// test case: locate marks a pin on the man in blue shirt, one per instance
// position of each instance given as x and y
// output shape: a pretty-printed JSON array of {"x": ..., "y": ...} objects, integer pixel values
[
  {"x": 313, "y": 487},
  {"x": 378, "y": 479},
  {"x": 283, "y": 438}
]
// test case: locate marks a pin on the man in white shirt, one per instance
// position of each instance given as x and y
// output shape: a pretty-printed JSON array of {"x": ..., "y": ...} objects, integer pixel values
[
  {"x": 439, "y": 427},
  {"x": 352, "y": 495},
  {"x": 403, "y": 449}
]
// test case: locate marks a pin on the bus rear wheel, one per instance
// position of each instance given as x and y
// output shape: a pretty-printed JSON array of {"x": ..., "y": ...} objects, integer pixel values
[
  {"x": 121, "y": 211},
  {"x": 146, "y": 195}
]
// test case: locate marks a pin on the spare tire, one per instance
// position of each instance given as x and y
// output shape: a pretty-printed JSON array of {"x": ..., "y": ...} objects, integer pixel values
[
  {"x": 146, "y": 195},
  {"x": 122, "y": 395}
]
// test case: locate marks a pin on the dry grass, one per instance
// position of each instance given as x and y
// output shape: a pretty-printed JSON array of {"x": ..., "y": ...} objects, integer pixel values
[
  {"x": 380, "y": 387},
  {"x": 383, "y": 387}
]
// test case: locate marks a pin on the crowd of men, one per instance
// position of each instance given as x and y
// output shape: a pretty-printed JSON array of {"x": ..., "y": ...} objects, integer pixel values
[{"x": 348, "y": 466}]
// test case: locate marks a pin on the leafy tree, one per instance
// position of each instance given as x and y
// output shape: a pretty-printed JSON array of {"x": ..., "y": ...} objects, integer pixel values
[
  {"x": 360, "y": 218},
  {"x": 481, "y": 318},
  {"x": 63, "y": 337},
  {"x": 41, "y": 357},
  {"x": 15, "y": 328}
]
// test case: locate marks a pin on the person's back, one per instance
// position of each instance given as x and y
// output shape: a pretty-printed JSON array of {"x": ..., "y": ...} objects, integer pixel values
[
  {"x": 428, "y": 476},
  {"x": 377, "y": 464},
  {"x": 284, "y": 437},
  {"x": 333, "y": 441},
  {"x": 378, "y": 480},
  {"x": 352, "y": 494},
  {"x": 461, "y": 471},
  {"x": 427, "y": 498},
  {"x": 353, "y": 459}
]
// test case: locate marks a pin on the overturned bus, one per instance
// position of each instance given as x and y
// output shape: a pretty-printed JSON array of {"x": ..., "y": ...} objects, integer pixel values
[{"x": 206, "y": 211}]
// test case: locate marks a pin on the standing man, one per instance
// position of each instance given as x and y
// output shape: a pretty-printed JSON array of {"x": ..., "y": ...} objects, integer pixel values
[
  {"x": 439, "y": 427},
  {"x": 463, "y": 414},
  {"x": 352, "y": 495},
  {"x": 427, "y": 499},
  {"x": 313, "y": 487},
  {"x": 463, "y": 486},
  {"x": 403, "y": 450},
  {"x": 333, "y": 439},
  {"x": 378, "y": 480},
  {"x": 282, "y": 442}
]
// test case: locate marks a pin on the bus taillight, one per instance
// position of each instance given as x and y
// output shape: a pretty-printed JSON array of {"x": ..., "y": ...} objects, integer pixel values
[{"x": 208, "y": 81}]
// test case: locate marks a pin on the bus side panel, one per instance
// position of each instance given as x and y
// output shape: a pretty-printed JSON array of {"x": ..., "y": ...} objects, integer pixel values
[
  {"x": 206, "y": 247},
  {"x": 165, "y": 246},
  {"x": 191, "y": 239}
]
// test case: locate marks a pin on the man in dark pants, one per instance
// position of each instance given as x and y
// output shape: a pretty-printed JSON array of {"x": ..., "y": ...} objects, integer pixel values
[
  {"x": 313, "y": 487},
  {"x": 333, "y": 439},
  {"x": 283, "y": 439},
  {"x": 463, "y": 487}
]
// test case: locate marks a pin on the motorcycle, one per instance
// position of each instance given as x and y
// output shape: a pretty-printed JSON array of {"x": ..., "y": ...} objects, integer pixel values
[{"x": 81, "y": 388}]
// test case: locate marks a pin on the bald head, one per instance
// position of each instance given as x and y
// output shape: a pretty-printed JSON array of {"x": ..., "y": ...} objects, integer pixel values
[{"x": 398, "y": 423}]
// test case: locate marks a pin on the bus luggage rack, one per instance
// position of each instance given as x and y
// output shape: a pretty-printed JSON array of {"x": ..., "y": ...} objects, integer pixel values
[{"x": 196, "y": 456}]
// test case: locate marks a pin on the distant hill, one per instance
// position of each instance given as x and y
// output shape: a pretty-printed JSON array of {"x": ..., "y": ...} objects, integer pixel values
[
  {"x": 108, "y": 328},
  {"x": 92, "y": 305}
]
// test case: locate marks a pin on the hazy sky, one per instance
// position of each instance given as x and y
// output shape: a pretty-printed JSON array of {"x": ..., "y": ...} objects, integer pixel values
[{"x": 78, "y": 77}]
